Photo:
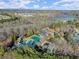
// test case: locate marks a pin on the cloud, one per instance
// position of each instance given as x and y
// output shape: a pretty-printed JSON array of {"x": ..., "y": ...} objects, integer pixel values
[
  {"x": 63, "y": 1},
  {"x": 45, "y": 2},
  {"x": 13, "y": 4},
  {"x": 2, "y": 5},
  {"x": 38, "y": 0},
  {"x": 39, "y": 4},
  {"x": 74, "y": 6},
  {"x": 44, "y": 7},
  {"x": 36, "y": 6},
  {"x": 68, "y": 4}
]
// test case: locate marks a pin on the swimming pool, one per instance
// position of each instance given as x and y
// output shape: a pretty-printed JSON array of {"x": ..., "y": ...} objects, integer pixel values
[
  {"x": 36, "y": 38},
  {"x": 27, "y": 43}
]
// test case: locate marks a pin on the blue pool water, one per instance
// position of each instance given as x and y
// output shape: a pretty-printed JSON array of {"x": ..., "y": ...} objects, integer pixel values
[
  {"x": 36, "y": 38},
  {"x": 76, "y": 37},
  {"x": 30, "y": 42},
  {"x": 65, "y": 17},
  {"x": 27, "y": 43}
]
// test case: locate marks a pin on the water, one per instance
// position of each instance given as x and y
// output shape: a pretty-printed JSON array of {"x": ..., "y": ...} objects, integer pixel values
[
  {"x": 36, "y": 38},
  {"x": 62, "y": 18},
  {"x": 31, "y": 41},
  {"x": 27, "y": 43},
  {"x": 76, "y": 37}
]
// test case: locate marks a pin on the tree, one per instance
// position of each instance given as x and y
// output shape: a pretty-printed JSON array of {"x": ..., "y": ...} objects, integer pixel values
[
  {"x": 70, "y": 22},
  {"x": 77, "y": 24},
  {"x": 68, "y": 37}
]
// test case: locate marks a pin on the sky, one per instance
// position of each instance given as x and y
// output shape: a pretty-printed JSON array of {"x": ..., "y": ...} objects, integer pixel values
[{"x": 40, "y": 4}]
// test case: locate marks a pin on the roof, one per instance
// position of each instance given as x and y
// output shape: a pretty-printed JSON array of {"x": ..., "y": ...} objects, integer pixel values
[{"x": 42, "y": 42}]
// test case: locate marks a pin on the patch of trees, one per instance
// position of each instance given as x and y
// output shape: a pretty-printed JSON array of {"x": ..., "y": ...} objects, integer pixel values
[
  {"x": 56, "y": 25},
  {"x": 8, "y": 20},
  {"x": 77, "y": 24}
]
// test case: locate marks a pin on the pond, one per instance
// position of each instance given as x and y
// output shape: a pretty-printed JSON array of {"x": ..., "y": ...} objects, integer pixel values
[{"x": 62, "y": 18}]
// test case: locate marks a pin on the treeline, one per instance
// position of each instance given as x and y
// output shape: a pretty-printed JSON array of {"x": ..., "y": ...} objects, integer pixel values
[{"x": 59, "y": 24}]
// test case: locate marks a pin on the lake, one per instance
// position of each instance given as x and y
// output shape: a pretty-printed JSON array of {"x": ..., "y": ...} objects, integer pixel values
[{"x": 62, "y": 18}]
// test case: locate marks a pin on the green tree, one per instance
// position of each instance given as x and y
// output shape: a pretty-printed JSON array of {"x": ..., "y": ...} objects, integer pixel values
[
  {"x": 77, "y": 24},
  {"x": 68, "y": 37}
]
